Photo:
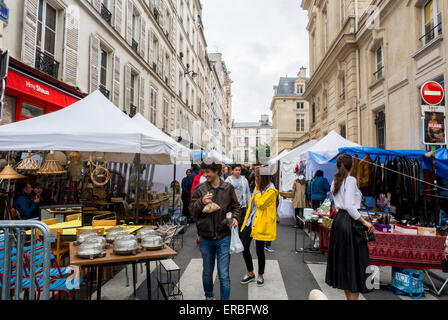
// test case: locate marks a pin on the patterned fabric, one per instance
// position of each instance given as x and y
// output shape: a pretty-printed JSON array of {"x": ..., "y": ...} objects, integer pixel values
[{"x": 407, "y": 251}]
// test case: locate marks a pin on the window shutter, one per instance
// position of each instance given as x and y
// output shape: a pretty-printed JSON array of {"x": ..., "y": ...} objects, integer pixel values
[
  {"x": 127, "y": 87},
  {"x": 172, "y": 31},
  {"x": 160, "y": 62},
  {"x": 129, "y": 22},
  {"x": 29, "y": 35},
  {"x": 149, "y": 57},
  {"x": 173, "y": 71},
  {"x": 116, "y": 81},
  {"x": 94, "y": 63},
  {"x": 118, "y": 15},
  {"x": 141, "y": 104},
  {"x": 143, "y": 38},
  {"x": 71, "y": 48},
  {"x": 97, "y": 5}
]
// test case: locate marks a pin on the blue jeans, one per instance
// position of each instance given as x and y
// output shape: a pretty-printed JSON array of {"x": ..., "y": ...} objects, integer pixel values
[{"x": 219, "y": 249}]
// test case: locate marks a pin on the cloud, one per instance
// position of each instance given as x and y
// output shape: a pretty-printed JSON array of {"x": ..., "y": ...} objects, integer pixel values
[{"x": 261, "y": 41}]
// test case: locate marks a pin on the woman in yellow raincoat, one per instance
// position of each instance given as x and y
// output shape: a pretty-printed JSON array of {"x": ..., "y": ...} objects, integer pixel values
[{"x": 259, "y": 224}]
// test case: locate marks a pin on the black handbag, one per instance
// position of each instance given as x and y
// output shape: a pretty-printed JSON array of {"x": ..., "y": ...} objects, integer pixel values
[{"x": 361, "y": 232}]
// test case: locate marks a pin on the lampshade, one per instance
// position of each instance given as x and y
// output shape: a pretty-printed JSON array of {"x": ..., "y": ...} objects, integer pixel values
[
  {"x": 8, "y": 173},
  {"x": 51, "y": 166},
  {"x": 57, "y": 155},
  {"x": 28, "y": 164}
]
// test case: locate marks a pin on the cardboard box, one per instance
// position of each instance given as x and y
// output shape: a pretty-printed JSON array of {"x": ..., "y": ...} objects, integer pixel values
[{"x": 427, "y": 231}]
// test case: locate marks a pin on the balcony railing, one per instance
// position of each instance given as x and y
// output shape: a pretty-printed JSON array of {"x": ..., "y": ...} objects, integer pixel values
[
  {"x": 106, "y": 14},
  {"x": 431, "y": 34},
  {"x": 379, "y": 73},
  {"x": 46, "y": 63},
  {"x": 166, "y": 80},
  {"x": 132, "y": 110},
  {"x": 154, "y": 67},
  {"x": 134, "y": 45},
  {"x": 156, "y": 14},
  {"x": 104, "y": 91}
]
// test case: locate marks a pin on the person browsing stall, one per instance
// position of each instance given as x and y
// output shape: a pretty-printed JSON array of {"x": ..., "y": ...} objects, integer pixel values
[
  {"x": 214, "y": 232},
  {"x": 241, "y": 186},
  {"x": 26, "y": 205},
  {"x": 318, "y": 189}
]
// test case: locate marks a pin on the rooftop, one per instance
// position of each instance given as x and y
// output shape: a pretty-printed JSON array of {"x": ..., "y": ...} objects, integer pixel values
[{"x": 286, "y": 87}]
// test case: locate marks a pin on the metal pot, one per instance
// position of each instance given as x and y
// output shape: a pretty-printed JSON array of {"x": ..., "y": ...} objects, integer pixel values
[
  {"x": 113, "y": 232},
  {"x": 126, "y": 244},
  {"x": 152, "y": 242},
  {"x": 84, "y": 235},
  {"x": 99, "y": 240},
  {"x": 145, "y": 232},
  {"x": 90, "y": 250}
]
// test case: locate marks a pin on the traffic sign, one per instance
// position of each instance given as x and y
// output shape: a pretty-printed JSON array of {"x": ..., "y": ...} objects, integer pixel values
[{"x": 432, "y": 93}]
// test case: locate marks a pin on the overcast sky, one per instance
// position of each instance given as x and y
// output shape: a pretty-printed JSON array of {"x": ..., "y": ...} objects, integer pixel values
[{"x": 261, "y": 41}]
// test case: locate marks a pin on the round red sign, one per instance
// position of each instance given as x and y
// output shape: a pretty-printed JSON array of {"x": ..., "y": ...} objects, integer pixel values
[{"x": 432, "y": 93}]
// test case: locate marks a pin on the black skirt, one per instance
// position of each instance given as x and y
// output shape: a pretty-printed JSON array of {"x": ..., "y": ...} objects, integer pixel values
[{"x": 347, "y": 259}]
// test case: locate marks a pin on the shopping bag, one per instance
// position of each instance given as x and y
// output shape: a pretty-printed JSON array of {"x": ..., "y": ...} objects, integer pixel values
[
  {"x": 325, "y": 208},
  {"x": 407, "y": 282},
  {"x": 236, "y": 246}
]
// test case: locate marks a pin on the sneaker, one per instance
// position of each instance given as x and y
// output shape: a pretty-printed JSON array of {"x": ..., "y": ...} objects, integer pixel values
[
  {"x": 260, "y": 282},
  {"x": 210, "y": 298},
  {"x": 269, "y": 249},
  {"x": 247, "y": 279}
]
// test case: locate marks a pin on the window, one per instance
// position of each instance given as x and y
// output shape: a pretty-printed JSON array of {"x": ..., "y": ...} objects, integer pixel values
[
  {"x": 342, "y": 84},
  {"x": 46, "y": 39},
  {"x": 31, "y": 111},
  {"x": 325, "y": 29},
  {"x": 300, "y": 122},
  {"x": 341, "y": 12},
  {"x": 103, "y": 73},
  {"x": 46, "y": 28},
  {"x": 343, "y": 130},
  {"x": 133, "y": 84},
  {"x": 246, "y": 156},
  {"x": 379, "y": 63},
  {"x": 380, "y": 123},
  {"x": 313, "y": 112},
  {"x": 432, "y": 21},
  {"x": 105, "y": 10},
  {"x": 300, "y": 105},
  {"x": 155, "y": 53},
  {"x": 325, "y": 98},
  {"x": 165, "y": 115},
  {"x": 299, "y": 89},
  {"x": 135, "y": 31},
  {"x": 153, "y": 106},
  {"x": 166, "y": 68}
]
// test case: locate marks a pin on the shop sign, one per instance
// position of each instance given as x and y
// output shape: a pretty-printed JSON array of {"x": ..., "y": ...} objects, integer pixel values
[
  {"x": 434, "y": 129},
  {"x": 4, "y": 11}
]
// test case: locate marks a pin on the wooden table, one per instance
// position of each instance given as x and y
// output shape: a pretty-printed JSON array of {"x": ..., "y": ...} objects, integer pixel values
[
  {"x": 113, "y": 259},
  {"x": 151, "y": 205}
]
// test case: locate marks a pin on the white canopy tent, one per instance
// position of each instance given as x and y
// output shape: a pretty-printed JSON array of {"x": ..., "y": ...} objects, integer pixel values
[
  {"x": 318, "y": 155},
  {"x": 279, "y": 157},
  {"x": 288, "y": 163},
  {"x": 93, "y": 124}
]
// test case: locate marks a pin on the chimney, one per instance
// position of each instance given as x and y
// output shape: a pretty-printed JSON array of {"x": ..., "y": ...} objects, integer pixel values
[
  {"x": 264, "y": 120},
  {"x": 275, "y": 90},
  {"x": 302, "y": 73}
]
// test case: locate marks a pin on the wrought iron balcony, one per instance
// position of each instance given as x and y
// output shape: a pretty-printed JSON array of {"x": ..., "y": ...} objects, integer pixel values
[
  {"x": 156, "y": 14},
  {"x": 104, "y": 91},
  {"x": 134, "y": 45},
  {"x": 132, "y": 110},
  {"x": 166, "y": 80},
  {"x": 379, "y": 73},
  {"x": 106, "y": 14},
  {"x": 154, "y": 67},
  {"x": 431, "y": 34},
  {"x": 46, "y": 63}
]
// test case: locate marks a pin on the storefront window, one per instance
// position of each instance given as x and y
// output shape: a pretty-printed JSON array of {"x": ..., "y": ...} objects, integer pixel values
[{"x": 30, "y": 111}]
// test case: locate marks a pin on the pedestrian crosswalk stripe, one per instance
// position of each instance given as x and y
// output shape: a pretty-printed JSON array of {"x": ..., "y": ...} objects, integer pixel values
[
  {"x": 274, "y": 287},
  {"x": 191, "y": 281},
  {"x": 318, "y": 271}
]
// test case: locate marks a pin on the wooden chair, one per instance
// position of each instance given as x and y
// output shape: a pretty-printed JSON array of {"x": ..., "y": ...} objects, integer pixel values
[
  {"x": 49, "y": 221},
  {"x": 14, "y": 214},
  {"x": 60, "y": 248},
  {"x": 73, "y": 217},
  {"x": 104, "y": 223}
]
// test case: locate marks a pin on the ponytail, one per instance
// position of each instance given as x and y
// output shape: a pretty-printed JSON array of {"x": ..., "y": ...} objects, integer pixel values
[{"x": 344, "y": 164}]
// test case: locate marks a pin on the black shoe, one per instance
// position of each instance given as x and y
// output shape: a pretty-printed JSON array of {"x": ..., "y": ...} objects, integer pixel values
[
  {"x": 247, "y": 279},
  {"x": 260, "y": 282}
]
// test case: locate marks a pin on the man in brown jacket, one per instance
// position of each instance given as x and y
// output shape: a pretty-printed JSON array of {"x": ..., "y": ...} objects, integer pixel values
[{"x": 214, "y": 232}]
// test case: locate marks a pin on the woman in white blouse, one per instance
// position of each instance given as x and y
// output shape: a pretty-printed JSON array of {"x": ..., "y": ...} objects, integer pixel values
[{"x": 348, "y": 256}]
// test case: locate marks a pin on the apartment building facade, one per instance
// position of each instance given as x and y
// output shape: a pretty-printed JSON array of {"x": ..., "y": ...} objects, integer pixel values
[
  {"x": 250, "y": 137},
  {"x": 290, "y": 119},
  {"x": 146, "y": 56},
  {"x": 367, "y": 67}
]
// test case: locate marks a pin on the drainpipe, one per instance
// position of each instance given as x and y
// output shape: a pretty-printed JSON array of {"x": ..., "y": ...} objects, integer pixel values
[{"x": 358, "y": 74}]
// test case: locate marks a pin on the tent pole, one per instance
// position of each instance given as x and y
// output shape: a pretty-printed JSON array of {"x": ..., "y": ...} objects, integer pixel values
[
  {"x": 137, "y": 188},
  {"x": 174, "y": 185}
]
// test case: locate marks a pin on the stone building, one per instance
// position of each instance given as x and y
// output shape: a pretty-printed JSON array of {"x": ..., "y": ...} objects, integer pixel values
[
  {"x": 247, "y": 137},
  {"x": 290, "y": 120},
  {"x": 146, "y": 56},
  {"x": 368, "y": 61}
]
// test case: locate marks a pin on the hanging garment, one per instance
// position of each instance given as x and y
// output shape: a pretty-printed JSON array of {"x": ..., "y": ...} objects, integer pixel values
[
  {"x": 365, "y": 175},
  {"x": 355, "y": 167},
  {"x": 378, "y": 175}
]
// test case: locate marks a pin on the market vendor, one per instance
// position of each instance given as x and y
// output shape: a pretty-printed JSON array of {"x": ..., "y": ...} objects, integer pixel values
[{"x": 26, "y": 205}]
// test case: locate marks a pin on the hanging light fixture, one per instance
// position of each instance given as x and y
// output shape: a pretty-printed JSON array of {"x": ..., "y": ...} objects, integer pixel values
[
  {"x": 51, "y": 166},
  {"x": 28, "y": 164},
  {"x": 8, "y": 173}
]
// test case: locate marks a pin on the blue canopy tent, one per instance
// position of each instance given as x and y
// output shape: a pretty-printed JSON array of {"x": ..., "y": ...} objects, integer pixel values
[{"x": 441, "y": 157}]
